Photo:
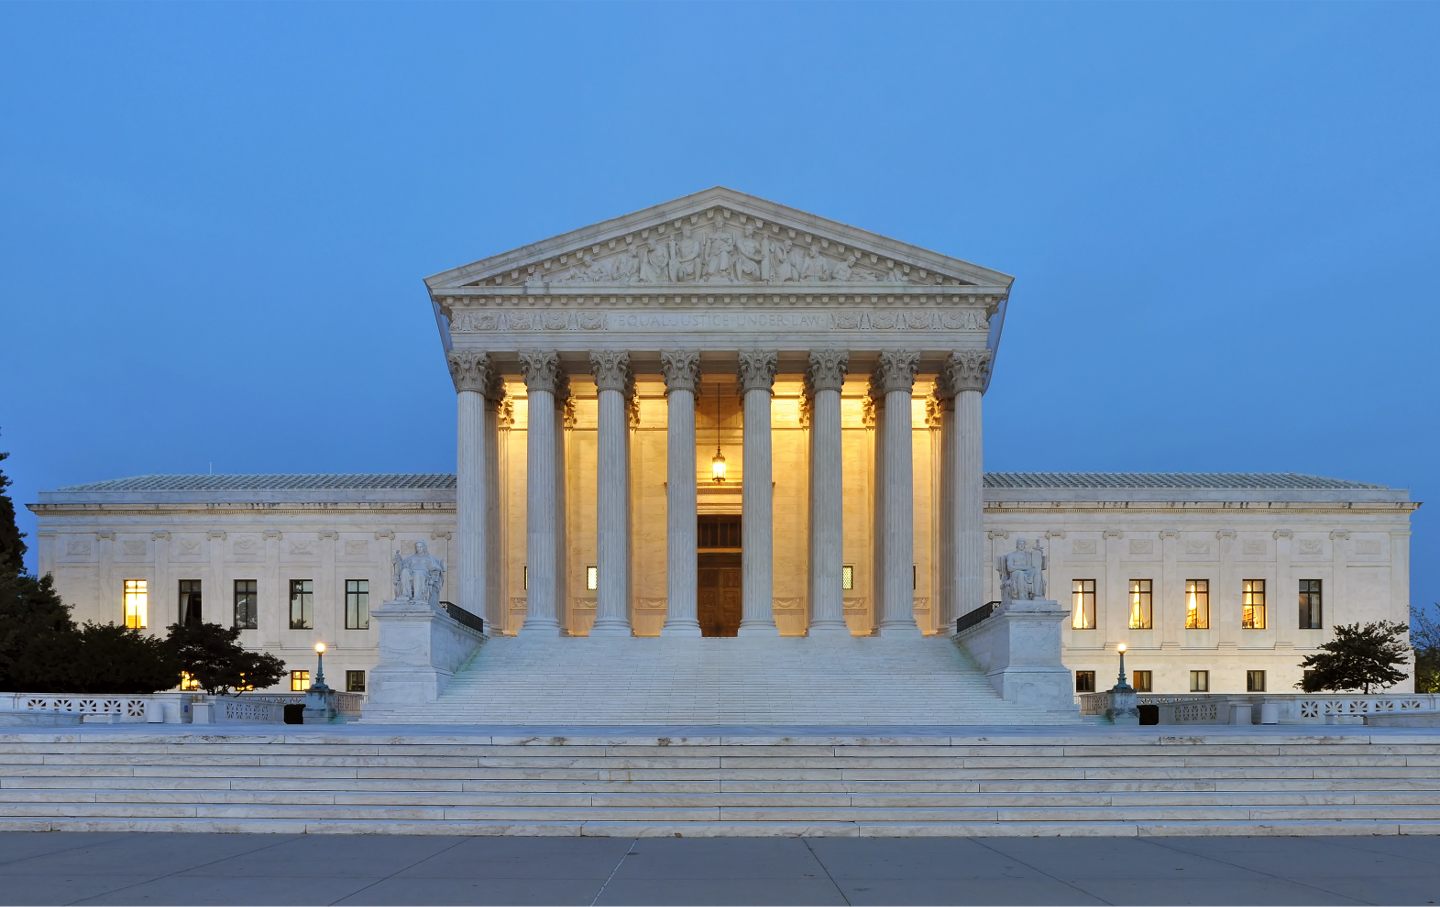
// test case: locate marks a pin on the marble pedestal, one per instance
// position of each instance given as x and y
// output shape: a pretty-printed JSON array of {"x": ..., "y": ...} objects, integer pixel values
[
  {"x": 421, "y": 648},
  {"x": 1018, "y": 647}
]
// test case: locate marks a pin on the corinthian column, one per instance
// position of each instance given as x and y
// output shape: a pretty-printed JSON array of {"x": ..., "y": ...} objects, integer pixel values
[
  {"x": 895, "y": 379},
  {"x": 497, "y": 410},
  {"x": 612, "y": 380},
  {"x": 682, "y": 375},
  {"x": 825, "y": 377},
  {"x": 757, "y": 528},
  {"x": 471, "y": 373},
  {"x": 946, "y": 547},
  {"x": 966, "y": 373},
  {"x": 542, "y": 378}
]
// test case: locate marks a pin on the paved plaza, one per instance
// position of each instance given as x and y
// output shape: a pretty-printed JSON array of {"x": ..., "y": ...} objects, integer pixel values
[{"x": 128, "y": 868}]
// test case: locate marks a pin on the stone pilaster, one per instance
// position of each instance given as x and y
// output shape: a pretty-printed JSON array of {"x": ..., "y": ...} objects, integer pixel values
[
  {"x": 757, "y": 584},
  {"x": 895, "y": 379},
  {"x": 612, "y": 381},
  {"x": 825, "y": 377},
  {"x": 966, "y": 374},
  {"x": 682, "y": 377},
  {"x": 542, "y": 378}
]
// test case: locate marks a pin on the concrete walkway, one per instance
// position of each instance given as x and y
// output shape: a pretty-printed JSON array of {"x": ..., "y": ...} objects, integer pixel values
[{"x": 74, "y": 868}]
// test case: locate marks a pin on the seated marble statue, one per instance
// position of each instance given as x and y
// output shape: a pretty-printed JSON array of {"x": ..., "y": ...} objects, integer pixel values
[
  {"x": 1022, "y": 572},
  {"x": 418, "y": 577}
]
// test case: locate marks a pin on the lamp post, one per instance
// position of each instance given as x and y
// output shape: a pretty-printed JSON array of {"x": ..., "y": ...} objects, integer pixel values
[
  {"x": 318, "y": 707},
  {"x": 1124, "y": 702}
]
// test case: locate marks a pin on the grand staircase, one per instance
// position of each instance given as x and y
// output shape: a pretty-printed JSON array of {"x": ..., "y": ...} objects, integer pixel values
[
  {"x": 852, "y": 682},
  {"x": 1083, "y": 780}
]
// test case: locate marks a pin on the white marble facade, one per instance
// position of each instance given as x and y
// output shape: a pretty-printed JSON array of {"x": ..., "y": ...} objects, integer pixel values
[{"x": 840, "y": 374}]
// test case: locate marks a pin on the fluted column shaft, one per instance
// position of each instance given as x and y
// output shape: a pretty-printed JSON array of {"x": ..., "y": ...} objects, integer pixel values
[
  {"x": 470, "y": 372},
  {"x": 895, "y": 375},
  {"x": 757, "y": 527},
  {"x": 612, "y": 610},
  {"x": 827, "y": 607},
  {"x": 495, "y": 606},
  {"x": 967, "y": 373},
  {"x": 562, "y": 561},
  {"x": 682, "y": 375},
  {"x": 541, "y": 372},
  {"x": 947, "y": 558}
]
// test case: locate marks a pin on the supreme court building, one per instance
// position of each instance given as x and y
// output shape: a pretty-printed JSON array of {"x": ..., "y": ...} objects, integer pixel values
[{"x": 720, "y": 416}]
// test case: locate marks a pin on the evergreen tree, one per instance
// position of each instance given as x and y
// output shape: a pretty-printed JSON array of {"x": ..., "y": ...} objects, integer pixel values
[
  {"x": 1358, "y": 657},
  {"x": 12, "y": 541},
  {"x": 37, "y": 636},
  {"x": 113, "y": 659},
  {"x": 213, "y": 657},
  {"x": 1425, "y": 637}
]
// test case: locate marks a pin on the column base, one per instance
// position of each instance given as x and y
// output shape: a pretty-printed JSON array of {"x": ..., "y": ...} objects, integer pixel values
[
  {"x": 830, "y": 628},
  {"x": 533, "y": 627},
  {"x": 611, "y": 627},
  {"x": 899, "y": 628},
  {"x": 681, "y": 628},
  {"x": 758, "y": 628}
]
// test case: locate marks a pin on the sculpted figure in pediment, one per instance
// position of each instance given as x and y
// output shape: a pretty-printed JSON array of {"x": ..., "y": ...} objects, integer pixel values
[
  {"x": 686, "y": 257},
  {"x": 654, "y": 263},
  {"x": 750, "y": 258},
  {"x": 720, "y": 256}
]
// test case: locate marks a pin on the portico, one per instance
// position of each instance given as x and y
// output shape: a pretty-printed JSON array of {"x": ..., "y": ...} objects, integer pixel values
[{"x": 639, "y": 340}]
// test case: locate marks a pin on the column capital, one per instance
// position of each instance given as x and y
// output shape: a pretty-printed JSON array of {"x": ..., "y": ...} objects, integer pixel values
[
  {"x": 895, "y": 371},
  {"x": 757, "y": 370},
  {"x": 470, "y": 370},
  {"x": 611, "y": 369},
  {"x": 967, "y": 370},
  {"x": 494, "y": 386},
  {"x": 541, "y": 370},
  {"x": 934, "y": 411},
  {"x": 681, "y": 370},
  {"x": 827, "y": 369}
]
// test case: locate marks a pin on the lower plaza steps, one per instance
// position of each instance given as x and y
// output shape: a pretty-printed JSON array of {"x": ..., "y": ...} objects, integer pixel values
[
  {"x": 865, "y": 682},
  {"x": 707, "y": 782}
]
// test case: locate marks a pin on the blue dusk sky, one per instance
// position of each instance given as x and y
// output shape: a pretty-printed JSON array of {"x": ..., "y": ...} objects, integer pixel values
[{"x": 1222, "y": 218}]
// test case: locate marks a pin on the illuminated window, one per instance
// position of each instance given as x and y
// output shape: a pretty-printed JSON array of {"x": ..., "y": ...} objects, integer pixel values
[
  {"x": 354, "y": 681},
  {"x": 1084, "y": 681},
  {"x": 1082, "y": 598},
  {"x": 1252, "y": 611},
  {"x": 302, "y": 604},
  {"x": 592, "y": 577},
  {"x": 1199, "y": 681},
  {"x": 299, "y": 681},
  {"x": 137, "y": 603},
  {"x": 847, "y": 577},
  {"x": 1310, "y": 614},
  {"x": 247, "y": 604},
  {"x": 357, "y": 604},
  {"x": 1254, "y": 681},
  {"x": 1197, "y": 604},
  {"x": 191, "y": 614},
  {"x": 1140, "y": 680},
  {"x": 1141, "y": 602},
  {"x": 187, "y": 683}
]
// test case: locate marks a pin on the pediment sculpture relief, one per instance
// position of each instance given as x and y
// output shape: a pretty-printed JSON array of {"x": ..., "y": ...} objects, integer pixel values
[{"x": 722, "y": 252}]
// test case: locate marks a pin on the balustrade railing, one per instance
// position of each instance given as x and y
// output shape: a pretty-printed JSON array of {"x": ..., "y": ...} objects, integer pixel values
[{"x": 971, "y": 618}]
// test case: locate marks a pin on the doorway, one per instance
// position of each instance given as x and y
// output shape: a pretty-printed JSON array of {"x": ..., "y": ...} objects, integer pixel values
[{"x": 718, "y": 592}]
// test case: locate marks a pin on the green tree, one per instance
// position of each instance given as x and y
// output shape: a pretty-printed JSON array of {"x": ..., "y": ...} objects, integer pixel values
[
  {"x": 12, "y": 541},
  {"x": 37, "y": 636},
  {"x": 113, "y": 659},
  {"x": 1358, "y": 658},
  {"x": 1425, "y": 637},
  {"x": 213, "y": 657}
]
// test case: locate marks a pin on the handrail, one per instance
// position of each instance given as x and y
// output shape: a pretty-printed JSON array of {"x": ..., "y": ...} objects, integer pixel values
[
  {"x": 463, "y": 617},
  {"x": 971, "y": 618}
]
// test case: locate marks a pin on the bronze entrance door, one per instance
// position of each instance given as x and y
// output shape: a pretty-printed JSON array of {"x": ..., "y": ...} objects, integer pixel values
[{"x": 718, "y": 593}]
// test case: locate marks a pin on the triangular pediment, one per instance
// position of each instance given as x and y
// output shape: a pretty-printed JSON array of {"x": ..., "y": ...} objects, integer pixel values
[{"x": 717, "y": 238}]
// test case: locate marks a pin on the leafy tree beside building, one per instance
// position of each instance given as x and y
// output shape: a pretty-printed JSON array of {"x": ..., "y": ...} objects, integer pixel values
[{"x": 1358, "y": 657}]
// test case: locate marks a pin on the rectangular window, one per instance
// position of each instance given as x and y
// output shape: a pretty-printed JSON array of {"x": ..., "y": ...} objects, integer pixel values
[
  {"x": 1140, "y": 680},
  {"x": 190, "y": 613},
  {"x": 357, "y": 604},
  {"x": 354, "y": 681},
  {"x": 847, "y": 577},
  {"x": 592, "y": 578},
  {"x": 247, "y": 604},
  {"x": 1199, "y": 681},
  {"x": 1082, "y": 602},
  {"x": 136, "y": 600},
  {"x": 1141, "y": 602},
  {"x": 1252, "y": 611},
  {"x": 1310, "y": 613},
  {"x": 1084, "y": 681},
  {"x": 299, "y": 681},
  {"x": 1197, "y": 604},
  {"x": 1254, "y": 681},
  {"x": 302, "y": 604}
]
